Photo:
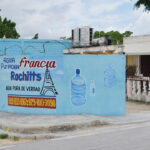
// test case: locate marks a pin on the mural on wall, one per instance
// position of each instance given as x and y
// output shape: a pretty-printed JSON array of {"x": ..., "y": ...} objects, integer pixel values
[
  {"x": 110, "y": 77},
  {"x": 31, "y": 71},
  {"x": 11, "y": 47},
  {"x": 92, "y": 88},
  {"x": 69, "y": 84},
  {"x": 78, "y": 89},
  {"x": 48, "y": 84}
]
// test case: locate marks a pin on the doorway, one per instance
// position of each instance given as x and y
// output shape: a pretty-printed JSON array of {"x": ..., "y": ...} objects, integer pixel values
[{"x": 145, "y": 65}]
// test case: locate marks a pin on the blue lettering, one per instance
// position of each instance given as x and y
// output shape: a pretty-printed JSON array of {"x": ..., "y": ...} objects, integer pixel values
[
  {"x": 9, "y": 66},
  {"x": 28, "y": 76},
  {"x": 9, "y": 60},
  {"x": 12, "y": 75},
  {"x": 38, "y": 77},
  {"x": 16, "y": 77},
  {"x": 2, "y": 66},
  {"x": 20, "y": 77}
]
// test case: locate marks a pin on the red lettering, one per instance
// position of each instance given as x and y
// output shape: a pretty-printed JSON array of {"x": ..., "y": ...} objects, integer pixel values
[
  {"x": 37, "y": 64},
  {"x": 32, "y": 64},
  {"x": 22, "y": 61},
  {"x": 52, "y": 64},
  {"x": 41, "y": 64},
  {"x": 26, "y": 62}
]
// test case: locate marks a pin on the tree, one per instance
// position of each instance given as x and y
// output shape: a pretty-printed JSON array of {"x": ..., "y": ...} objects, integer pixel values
[
  {"x": 127, "y": 34},
  {"x": 98, "y": 34},
  {"x": 117, "y": 37},
  {"x": 69, "y": 38},
  {"x": 145, "y": 3},
  {"x": 8, "y": 29},
  {"x": 36, "y": 36},
  {"x": 63, "y": 38}
]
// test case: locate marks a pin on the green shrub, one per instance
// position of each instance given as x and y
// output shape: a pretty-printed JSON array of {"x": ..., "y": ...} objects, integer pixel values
[{"x": 3, "y": 136}]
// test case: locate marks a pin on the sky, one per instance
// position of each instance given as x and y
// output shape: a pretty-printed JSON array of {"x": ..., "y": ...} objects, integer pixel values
[{"x": 53, "y": 19}]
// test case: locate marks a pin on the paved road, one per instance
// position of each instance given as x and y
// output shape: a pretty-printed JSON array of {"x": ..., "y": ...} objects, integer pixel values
[{"x": 125, "y": 137}]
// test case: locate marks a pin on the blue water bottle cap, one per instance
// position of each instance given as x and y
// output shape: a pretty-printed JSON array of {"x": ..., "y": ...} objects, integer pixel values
[{"x": 77, "y": 71}]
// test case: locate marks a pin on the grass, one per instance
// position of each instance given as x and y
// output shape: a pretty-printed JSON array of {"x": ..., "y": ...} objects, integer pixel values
[
  {"x": 35, "y": 138},
  {"x": 16, "y": 138}
]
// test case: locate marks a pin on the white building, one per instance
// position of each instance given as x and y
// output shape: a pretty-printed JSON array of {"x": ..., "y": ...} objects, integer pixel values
[
  {"x": 137, "y": 49},
  {"x": 82, "y": 37}
]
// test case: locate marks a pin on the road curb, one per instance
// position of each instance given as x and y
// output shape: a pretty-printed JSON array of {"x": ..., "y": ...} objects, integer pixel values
[{"x": 26, "y": 130}]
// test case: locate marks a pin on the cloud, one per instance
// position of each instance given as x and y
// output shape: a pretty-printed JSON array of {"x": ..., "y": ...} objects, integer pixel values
[
  {"x": 106, "y": 6},
  {"x": 53, "y": 19},
  {"x": 5, "y": 78},
  {"x": 142, "y": 24},
  {"x": 60, "y": 72}
]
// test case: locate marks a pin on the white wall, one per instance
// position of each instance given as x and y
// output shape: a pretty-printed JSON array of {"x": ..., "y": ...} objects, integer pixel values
[
  {"x": 137, "y": 45},
  {"x": 117, "y": 48}
]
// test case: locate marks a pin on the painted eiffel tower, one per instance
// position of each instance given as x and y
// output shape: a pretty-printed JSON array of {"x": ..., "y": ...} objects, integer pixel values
[{"x": 48, "y": 84}]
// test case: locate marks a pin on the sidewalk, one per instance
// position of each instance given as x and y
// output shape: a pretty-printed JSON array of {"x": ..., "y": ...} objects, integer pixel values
[{"x": 47, "y": 125}]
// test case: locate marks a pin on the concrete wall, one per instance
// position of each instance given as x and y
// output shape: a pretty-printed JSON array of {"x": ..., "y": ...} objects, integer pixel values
[
  {"x": 137, "y": 45},
  {"x": 115, "y": 48},
  {"x": 25, "y": 89},
  {"x": 44, "y": 81},
  {"x": 33, "y": 47}
]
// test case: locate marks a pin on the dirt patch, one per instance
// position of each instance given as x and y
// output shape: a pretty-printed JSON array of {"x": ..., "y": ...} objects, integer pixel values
[
  {"x": 136, "y": 107},
  {"x": 4, "y": 142}
]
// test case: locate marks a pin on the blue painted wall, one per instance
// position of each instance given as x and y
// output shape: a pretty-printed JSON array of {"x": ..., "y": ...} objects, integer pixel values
[
  {"x": 99, "y": 88},
  {"x": 104, "y": 73},
  {"x": 32, "y": 47}
]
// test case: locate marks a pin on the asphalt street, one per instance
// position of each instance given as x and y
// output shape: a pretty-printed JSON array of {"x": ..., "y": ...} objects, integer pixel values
[{"x": 123, "y": 137}]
